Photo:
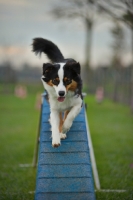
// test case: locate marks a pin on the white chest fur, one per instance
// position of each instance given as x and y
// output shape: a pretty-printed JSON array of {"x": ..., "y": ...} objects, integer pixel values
[{"x": 67, "y": 104}]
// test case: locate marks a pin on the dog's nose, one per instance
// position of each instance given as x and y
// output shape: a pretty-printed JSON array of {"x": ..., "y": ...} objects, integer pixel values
[{"x": 61, "y": 93}]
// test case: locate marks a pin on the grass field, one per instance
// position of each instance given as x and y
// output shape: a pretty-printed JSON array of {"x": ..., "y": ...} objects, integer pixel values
[
  {"x": 18, "y": 128},
  {"x": 111, "y": 127}
]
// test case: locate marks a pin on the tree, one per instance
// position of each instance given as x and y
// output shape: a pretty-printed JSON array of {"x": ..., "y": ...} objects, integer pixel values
[
  {"x": 88, "y": 11},
  {"x": 122, "y": 10},
  {"x": 128, "y": 19},
  {"x": 117, "y": 47}
]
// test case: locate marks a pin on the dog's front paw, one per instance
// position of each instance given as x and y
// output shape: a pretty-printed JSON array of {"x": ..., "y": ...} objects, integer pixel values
[
  {"x": 55, "y": 142},
  {"x": 62, "y": 136},
  {"x": 55, "y": 145},
  {"x": 67, "y": 125}
]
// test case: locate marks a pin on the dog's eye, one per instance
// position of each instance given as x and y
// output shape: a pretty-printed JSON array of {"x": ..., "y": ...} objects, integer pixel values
[
  {"x": 67, "y": 81},
  {"x": 55, "y": 81}
]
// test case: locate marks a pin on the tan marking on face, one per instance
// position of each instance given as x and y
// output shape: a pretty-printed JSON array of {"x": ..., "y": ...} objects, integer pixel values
[
  {"x": 50, "y": 83},
  {"x": 72, "y": 86},
  {"x": 57, "y": 79}
]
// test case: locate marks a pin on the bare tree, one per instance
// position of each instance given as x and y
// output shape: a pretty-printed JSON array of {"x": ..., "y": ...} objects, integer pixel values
[
  {"x": 117, "y": 51},
  {"x": 123, "y": 10},
  {"x": 88, "y": 11},
  {"x": 128, "y": 19},
  {"x": 117, "y": 44}
]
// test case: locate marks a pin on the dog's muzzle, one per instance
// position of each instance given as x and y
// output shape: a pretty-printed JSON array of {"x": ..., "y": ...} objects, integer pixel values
[{"x": 61, "y": 97}]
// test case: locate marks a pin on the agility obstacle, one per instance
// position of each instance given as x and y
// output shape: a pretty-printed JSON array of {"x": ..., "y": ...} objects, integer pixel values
[{"x": 63, "y": 173}]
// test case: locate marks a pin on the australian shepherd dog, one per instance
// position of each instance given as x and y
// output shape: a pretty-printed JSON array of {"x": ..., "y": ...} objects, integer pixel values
[{"x": 62, "y": 81}]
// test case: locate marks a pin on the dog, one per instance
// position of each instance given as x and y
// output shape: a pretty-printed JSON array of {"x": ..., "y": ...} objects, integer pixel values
[{"x": 61, "y": 79}]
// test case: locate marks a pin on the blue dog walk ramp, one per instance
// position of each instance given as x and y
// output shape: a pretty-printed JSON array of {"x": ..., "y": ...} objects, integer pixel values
[{"x": 64, "y": 173}]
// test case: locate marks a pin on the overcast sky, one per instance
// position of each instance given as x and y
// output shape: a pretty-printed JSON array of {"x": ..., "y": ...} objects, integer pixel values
[{"x": 23, "y": 20}]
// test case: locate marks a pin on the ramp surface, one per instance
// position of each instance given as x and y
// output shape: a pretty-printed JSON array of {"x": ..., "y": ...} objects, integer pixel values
[{"x": 64, "y": 173}]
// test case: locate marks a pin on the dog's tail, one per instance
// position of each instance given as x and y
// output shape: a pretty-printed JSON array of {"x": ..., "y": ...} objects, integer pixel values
[{"x": 49, "y": 48}]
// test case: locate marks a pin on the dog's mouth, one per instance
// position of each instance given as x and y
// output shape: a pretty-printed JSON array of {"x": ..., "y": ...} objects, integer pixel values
[{"x": 61, "y": 99}]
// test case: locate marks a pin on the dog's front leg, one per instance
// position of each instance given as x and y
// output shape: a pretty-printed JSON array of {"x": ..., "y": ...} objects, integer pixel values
[
  {"x": 55, "y": 120},
  {"x": 70, "y": 117}
]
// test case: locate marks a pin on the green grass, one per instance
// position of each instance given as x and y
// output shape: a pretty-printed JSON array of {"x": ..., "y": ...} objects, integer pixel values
[
  {"x": 18, "y": 128},
  {"x": 111, "y": 127}
]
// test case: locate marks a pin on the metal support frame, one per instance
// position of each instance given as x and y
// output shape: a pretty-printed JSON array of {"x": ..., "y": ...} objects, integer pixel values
[{"x": 35, "y": 155}]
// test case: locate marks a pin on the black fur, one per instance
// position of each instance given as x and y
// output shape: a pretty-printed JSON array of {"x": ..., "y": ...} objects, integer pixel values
[
  {"x": 49, "y": 48},
  {"x": 50, "y": 71},
  {"x": 71, "y": 68}
]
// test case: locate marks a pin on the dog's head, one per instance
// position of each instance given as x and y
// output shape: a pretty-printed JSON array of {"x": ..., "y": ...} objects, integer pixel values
[{"x": 63, "y": 77}]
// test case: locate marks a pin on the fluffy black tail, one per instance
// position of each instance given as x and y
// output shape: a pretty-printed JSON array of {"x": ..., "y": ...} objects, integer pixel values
[{"x": 49, "y": 48}]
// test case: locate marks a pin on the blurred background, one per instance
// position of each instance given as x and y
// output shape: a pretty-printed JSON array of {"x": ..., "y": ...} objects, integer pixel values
[{"x": 99, "y": 35}]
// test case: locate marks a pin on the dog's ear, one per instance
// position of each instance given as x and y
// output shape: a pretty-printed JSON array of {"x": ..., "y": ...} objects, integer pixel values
[
  {"x": 47, "y": 68},
  {"x": 76, "y": 67}
]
